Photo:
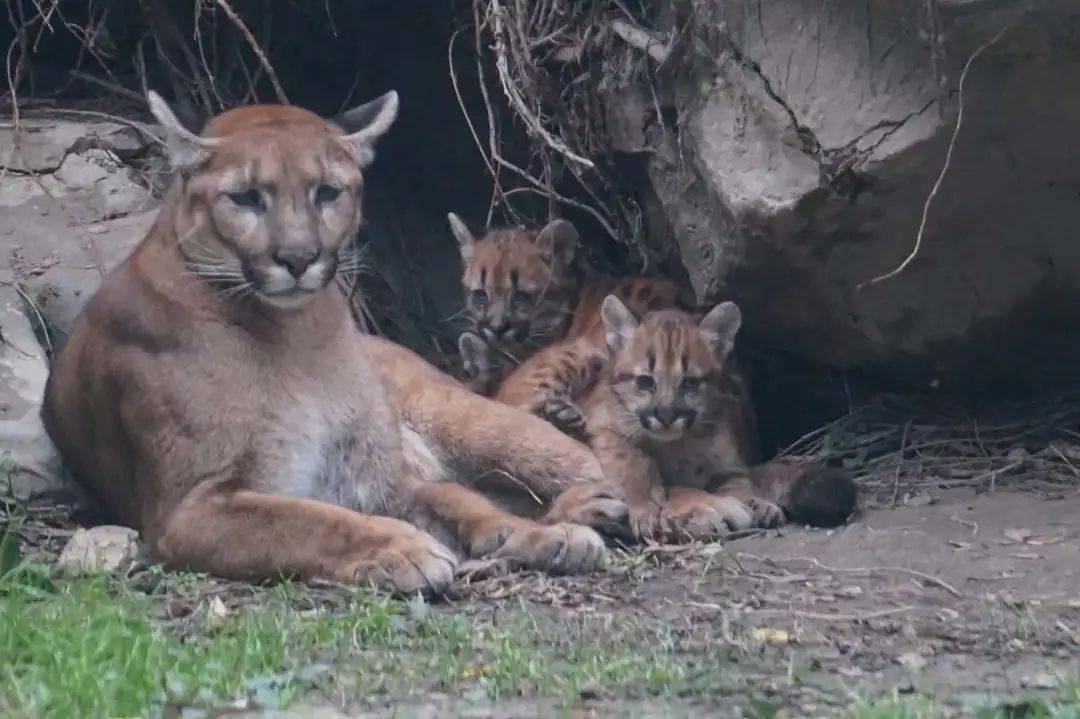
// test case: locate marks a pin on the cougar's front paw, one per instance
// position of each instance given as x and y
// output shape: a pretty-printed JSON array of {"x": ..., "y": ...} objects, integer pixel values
[
  {"x": 565, "y": 415},
  {"x": 409, "y": 563},
  {"x": 562, "y": 548},
  {"x": 646, "y": 521},
  {"x": 593, "y": 506},
  {"x": 767, "y": 515},
  {"x": 705, "y": 517}
]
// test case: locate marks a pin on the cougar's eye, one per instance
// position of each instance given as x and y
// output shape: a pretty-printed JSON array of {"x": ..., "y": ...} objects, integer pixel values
[
  {"x": 479, "y": 298},
  {"x": 325, "y": 194},
  {"x": 250, "y": 198},
  {"x": 691, "y": 384},
  {"x": 644, "y": 382}
]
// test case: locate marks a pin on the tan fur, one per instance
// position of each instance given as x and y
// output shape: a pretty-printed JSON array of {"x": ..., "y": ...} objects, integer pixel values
[
  {"x": 671, "y": 422},
  {"x": 216, "y": 395},
  {"x": 539, "y": 337}
]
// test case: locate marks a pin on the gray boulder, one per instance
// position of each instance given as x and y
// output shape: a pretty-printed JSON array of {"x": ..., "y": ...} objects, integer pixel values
[{"x": 800, "y": 171}]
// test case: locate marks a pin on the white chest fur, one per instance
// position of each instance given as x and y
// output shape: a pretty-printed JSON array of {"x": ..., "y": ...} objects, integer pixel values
[{"x": 328, "y": 449}]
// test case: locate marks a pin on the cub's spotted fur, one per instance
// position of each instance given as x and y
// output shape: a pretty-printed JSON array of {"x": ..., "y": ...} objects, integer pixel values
[
  {"x": 537, "y": 321},
  {"x": 669, "y": 421}
]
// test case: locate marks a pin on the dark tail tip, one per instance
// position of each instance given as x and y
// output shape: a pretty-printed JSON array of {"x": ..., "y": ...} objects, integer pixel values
[{"x": 822, "y": 497}]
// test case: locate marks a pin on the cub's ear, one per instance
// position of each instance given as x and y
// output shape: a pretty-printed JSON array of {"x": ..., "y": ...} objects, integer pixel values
[
  {"x": 558, "y": 241},
  {"x": 474, "y": 351},
  {"x": 720, "y": 326},
  {"x": 365, "y": 124},
  {"x": 619, "y": 322},
  {"x": 186, "y": 149},
  {"x": 466, "y": 240}
]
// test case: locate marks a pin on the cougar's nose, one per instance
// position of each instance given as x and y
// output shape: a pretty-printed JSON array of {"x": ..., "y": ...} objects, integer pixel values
[
  {"x": 296, "y": 260},
  {"x": 665, "y": 416}
]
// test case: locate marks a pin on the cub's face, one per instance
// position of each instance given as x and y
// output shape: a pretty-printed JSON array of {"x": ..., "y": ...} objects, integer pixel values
[
  {"x": 667, "y": 367},
  {"x": 270, "y": 195},
  {"x": 517, "y": 282}
]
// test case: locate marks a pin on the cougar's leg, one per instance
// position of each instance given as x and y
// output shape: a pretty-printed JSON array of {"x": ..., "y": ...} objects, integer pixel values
[
  {"x": 638, "y": 479},
  {"x": 693, "y": 514},
  {"x": 550, "y": 382},
  {"x": 481, "y": 433},
  {"x": 484, "y": 530},
  {"x": 250, "y": 535}
]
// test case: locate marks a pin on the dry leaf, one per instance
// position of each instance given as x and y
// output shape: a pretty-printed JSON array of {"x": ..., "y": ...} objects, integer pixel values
[
  {"x": 771, "y": 636},
  {"x": 1018, "y": 535}
]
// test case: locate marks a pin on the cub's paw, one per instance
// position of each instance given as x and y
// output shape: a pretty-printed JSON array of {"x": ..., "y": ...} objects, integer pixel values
[
  {"x": 409, "y": 563},
  {"x": 705, "y": 517},
  {"x": 565, "y": 415},
  {"x": 767, "y": 515},
  {"x": 646, "y": 521},
  {"x": 562, "y": 548},
  {"x": 593, "y": 506}
]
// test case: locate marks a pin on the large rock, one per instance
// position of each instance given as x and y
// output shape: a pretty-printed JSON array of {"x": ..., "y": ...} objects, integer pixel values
[
  {"x": 71, "y": 208},
  {"x": 800, "y": 171}
]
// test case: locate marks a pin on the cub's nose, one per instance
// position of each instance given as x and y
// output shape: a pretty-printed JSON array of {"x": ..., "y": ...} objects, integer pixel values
[
  {"x": 495, "y": 329},
  {"x": 665, "y": 416},
  {"x": 670, "y": 417},
  {"x": 296, "y": 259}
]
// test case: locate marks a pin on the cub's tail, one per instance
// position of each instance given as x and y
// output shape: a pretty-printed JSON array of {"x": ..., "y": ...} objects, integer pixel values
[{"x": 813, "y": 494}]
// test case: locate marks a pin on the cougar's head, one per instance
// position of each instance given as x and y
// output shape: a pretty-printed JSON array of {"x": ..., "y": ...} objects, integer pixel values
[
  {"x": 667, "y": 368},
  {"x": 270, "y": 194},
  {"x": 517, "y": 282}
]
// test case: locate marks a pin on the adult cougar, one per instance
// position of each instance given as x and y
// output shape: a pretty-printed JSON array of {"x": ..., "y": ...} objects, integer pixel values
[{"x": 216, "y": 395}]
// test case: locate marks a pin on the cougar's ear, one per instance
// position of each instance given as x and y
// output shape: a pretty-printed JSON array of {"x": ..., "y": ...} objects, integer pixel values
[
  {"x": 365, "y": 124},
  {"x": 474, "y": 351},
  {"x": 619, "y": 322},
  {"x": 186, "y": 149},
  {"x": 466, "y": 240},
  {"x": 720, "y": 326},
  {"x": 558, "y": 241}
]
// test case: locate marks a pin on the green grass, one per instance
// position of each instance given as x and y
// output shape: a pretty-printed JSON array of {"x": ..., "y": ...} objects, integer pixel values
[
  {"x": 99, "y": 647},
  {"x": 1066, "y": 705}
]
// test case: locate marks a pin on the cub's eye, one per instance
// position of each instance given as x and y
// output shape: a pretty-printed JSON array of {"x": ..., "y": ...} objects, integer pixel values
[
  {"x": 524, "y": 299},
  {"x": 250, "y": 198},
  {"x": 325, "y": 194},
  {"x": 691, "y": 384},
  {"x": 479, "y": 298},
  {"x": 644, "y": 382}
]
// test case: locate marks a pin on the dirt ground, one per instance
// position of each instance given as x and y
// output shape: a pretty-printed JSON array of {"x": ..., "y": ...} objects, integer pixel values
[
  {"x": 967, "y": 598},
  {"x": 971, "y": 601},
  {"x": 967, "y": 601}
]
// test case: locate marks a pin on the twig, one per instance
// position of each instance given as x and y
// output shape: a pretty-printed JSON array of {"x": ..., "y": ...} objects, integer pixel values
[
  {"x": 900, "y": 463},
  {"x": 41, "y": 319},
  {"x": 468, "y": 119},
  {"x": 862, "y": 617},
  {"x": 111, "y": 87},
  {"x": 945, "y": 167},
  {"x": 225, "y": 6},
  {"x": 930, "y": 578},
  {"x": 638, "y": 38}
]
